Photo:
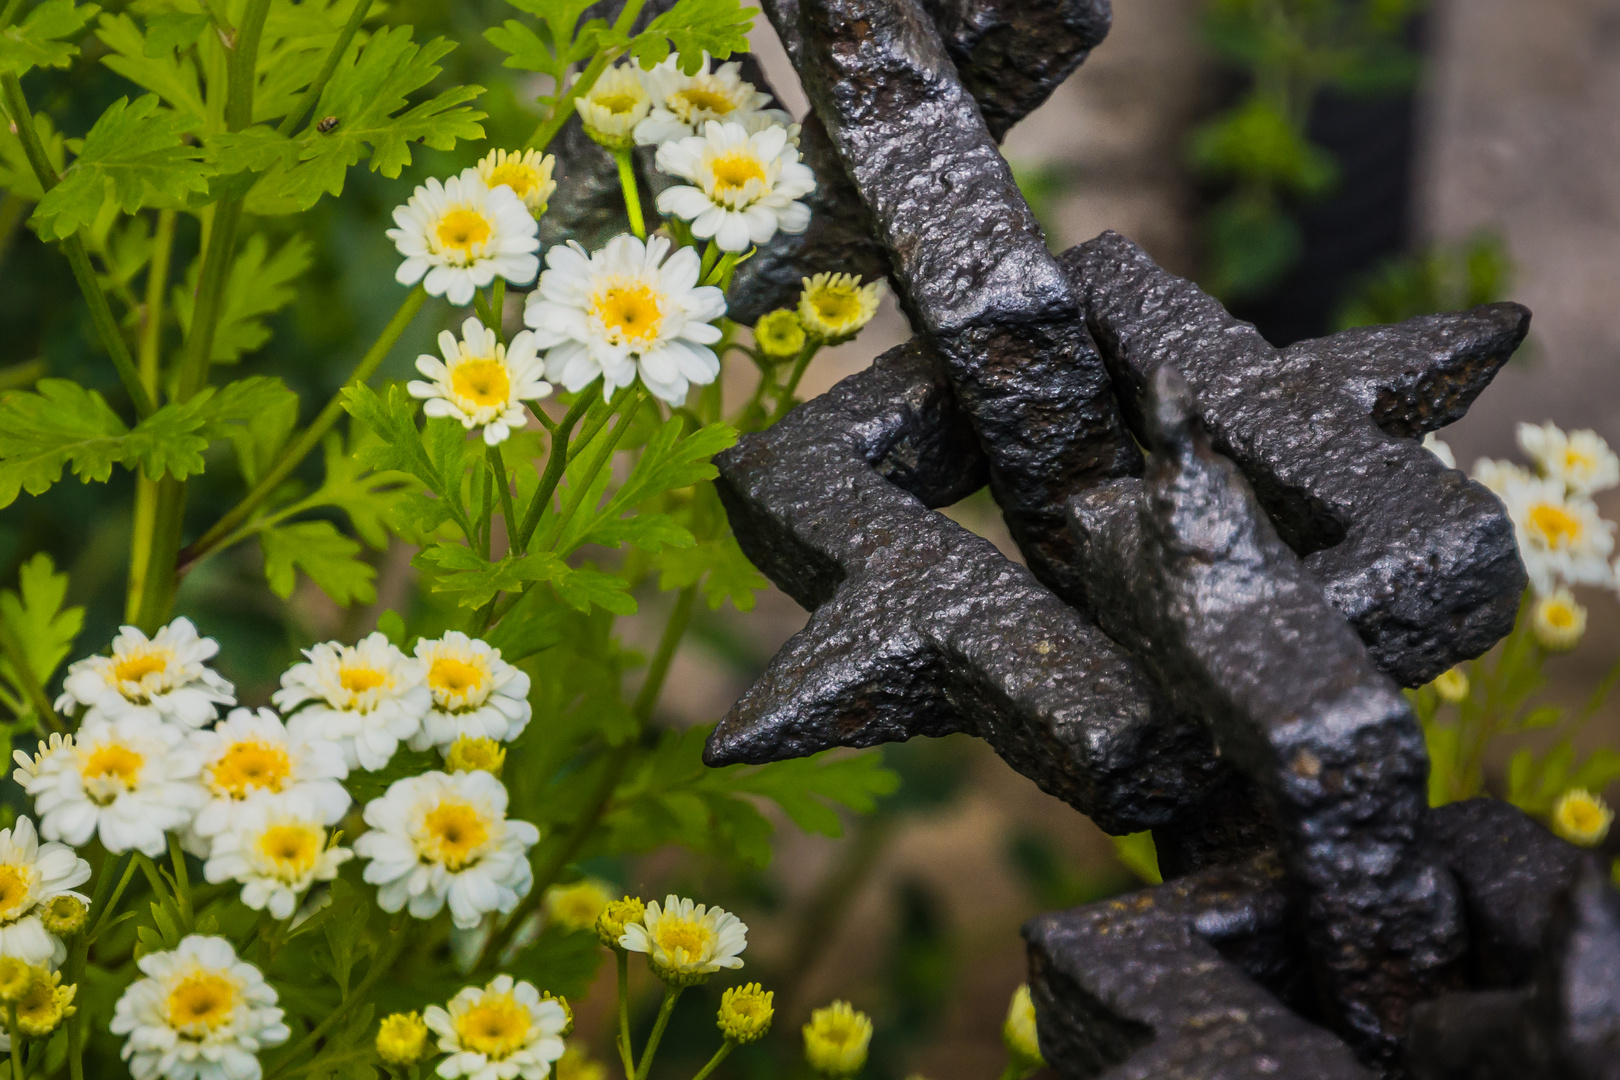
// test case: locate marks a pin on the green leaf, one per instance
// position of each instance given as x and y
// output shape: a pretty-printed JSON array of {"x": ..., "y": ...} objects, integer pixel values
[
  {"x": 559, "y": 42},
  {"x": 133, "y": 156},
  {"x": 258, "y": 433},
  {"x": 166, "y": 33},
  {"x": 149, "y": 60},
  {"x": 16, "y": 174},
  {"x": 59, "y": 424},
  {"x": 472, "y": 579},
  {"x": 371, "y": 85},
  {"x": 803, "y": 787},
  {"x": 323, "y": 553},
  {"x": 667, "y": 462},
  {"x": 721, "y": 565},
  {"x": 36, "y": 615},
  {"x": 695, "y": 27},
  {"x": 258, "y": 148},
  {"x": 37, "y": 40},
  {"x": 368, "y": 497},
  {"x": 1139, "y": 854},
  {"x": 563, "y": 962},
  {"x": 260, "y": 284}
]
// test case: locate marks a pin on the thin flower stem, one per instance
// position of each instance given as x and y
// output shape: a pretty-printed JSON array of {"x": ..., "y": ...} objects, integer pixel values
[
  {"x": 312, "y": 95},
  {"x": 309, "y": 440},
  {"x": 627, "y": 1058},
  {"x": 154, "y": 878},
  {"x": 719, "y": 1056},
  {"x": 12, "y": 646},
  {"x": 497, "y": 466},
  {"x": 599, "y": 460},
  {"x": 182, "y": 880},
  {"x": 111, "y": 904},
  {"x": 17, "y": 1072},
  {"x": 632, "y": 196},
  {"x": 222, "y": 23},
  {"x": 112, "y": 338},
  {"x": 497, "y": 308},
  {"x": 784, "y": 400},
  {"x": 564, "y": 107},
  {"x": 672, "y": 994},
  {"x": 711, "y": 255},
  {"x": 157, "y": 288},
  {"x": 556, "y": 463},
  {"x": 668, "y": 642},
  {"x": 379, "y": 967}
]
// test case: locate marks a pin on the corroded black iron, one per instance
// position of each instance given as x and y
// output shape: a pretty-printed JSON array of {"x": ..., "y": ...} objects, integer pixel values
[{"x": 1418, "y": 557}]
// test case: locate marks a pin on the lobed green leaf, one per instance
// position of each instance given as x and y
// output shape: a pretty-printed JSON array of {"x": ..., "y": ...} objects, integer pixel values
[{"x": 37, "y": 40}]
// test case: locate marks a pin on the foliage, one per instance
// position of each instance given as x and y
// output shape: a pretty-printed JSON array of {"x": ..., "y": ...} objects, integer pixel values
[{"x": 1446, "y": 277}]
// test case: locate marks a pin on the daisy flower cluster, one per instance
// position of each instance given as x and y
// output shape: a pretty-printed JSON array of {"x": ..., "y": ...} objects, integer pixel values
[
  {"x": 1562, "y": 538},
  {"x": 258, "y": 795}
]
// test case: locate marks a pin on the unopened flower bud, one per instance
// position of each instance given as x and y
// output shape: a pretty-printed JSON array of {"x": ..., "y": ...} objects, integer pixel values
[
  {"x": 745, "y": 1013},
  {"x": 46, "y": 1004},
  {"x": 16, "y": 976},
  {"x": 615, "y": 917},
  {"x": 1582, "y": 817},
  {"x": 834, "y": 307},
  {"x": 568, "y": 1012},
  {"x": 779, "y": 334},
  {"x": 64, "y": 915},
  {"x": 1558, "y": 621},
  {"x": 475, "y": 755},
  {"x": 402, "y": 1039},
  {"x": 1452, "y": 685},
  {"x": 836, "y": 1040}
]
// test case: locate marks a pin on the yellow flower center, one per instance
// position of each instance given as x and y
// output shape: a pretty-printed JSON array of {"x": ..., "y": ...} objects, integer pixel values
[
  {"x": 700, "y": 97},
  {"x": 41, "y": 1008},
  {"x": 137, "y": 666},
  {"x": 1577, "y": 461},
  {"x": 684, "y": 939},
  {"x": 468, "y": 754},
  {"x": 114, "y": 762},
  {"x": 455, "y": 678},
  {"x": 1558, "y": 615},
  {"x": 202, "y": 1001},
  {"x": 455, "y": 832},
  {"x": 629, "y": 312},
  {"x": 357, "y": 680},
  {"x": 15, "y": 891},
  {"x": 247, "y": 767},
  {"x": 836, "y": 307},
  {"x": 496, "y": 1027},
  {"x": 463, "y": 230},
  {"x": 733, "y": 170},
  {"x": 521, "y": 178},
  {"x": 292, "y": 850},
  {"x": 618, "y": 102},
  {"x": 1583, "y": 816},
  {"x": 1556, "y": 525},
  {"x": 484, "y": 382}
]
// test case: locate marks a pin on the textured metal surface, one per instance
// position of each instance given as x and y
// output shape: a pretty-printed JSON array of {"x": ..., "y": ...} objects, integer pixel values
[
  {"x": 971, "y": 264},
  {"x": 1169, "y": 983},
  {"x": 921, "y": 627},
  {"x": 1419, "y": 558},
  {"x": 1187, "y": 571}
]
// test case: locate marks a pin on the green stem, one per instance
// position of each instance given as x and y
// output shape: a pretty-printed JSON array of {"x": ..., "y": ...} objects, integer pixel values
[
  {"x": 312, "y": 95},
  {"x": 309, "y": 440},
  {"x": 109, "y": 905},
  {"x": 10, "y": 13},
  {"x": 497, "y": 466},
  {"x": 215, "y": 276},
  {"x": 227, "y": 32},
  {"x": 158, "y": 587},
  {"x": 497, "y": 308},
  {"x": 622, "y": 1040},
  {"x": 558, "y": 461},
  {"x": 564, "y": 107},
  {"x": 668, "y": 642},
  {"x": 101, "y": 315},
  {"x": 154, "y": 878},
  {"x": 784, "y": 400},
  {"x": 22, "y": 376},
  {"x": 182, "y": 880},
  {"x": 711, "y": 255},
  {"x": 719, "y": 1056},
  {"x": 27, "y": 678},
  {"x": 379, "y": 967},
  {"x": 17, "y": 1072},
  {"x": 145, "y": 517},
  {"x": 632, "y": 196},
  {"x": 598, "y": 460},
  {"x": 672, "y": 994}
]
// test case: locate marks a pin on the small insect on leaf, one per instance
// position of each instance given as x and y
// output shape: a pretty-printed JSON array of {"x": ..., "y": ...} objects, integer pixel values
[{"x": 327, "y": 124}]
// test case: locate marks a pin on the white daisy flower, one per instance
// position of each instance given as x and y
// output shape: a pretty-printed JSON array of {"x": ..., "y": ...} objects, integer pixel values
[
  {"x": 251, "y": 755},
  {"x": 164, "y": 677},
  {"x": 1498, "y": 475},
  {"x": 277, "y": 848},
  {"x": 686, "y": 943},
  {"x": 623, "y": 310},
  {"x": 367, "y": 698},
  {"x": 526, "y": 172},
  {"x": 682, "y": 104},
  {"x": 1581, "y": 459},
  {"x": 481, "y": 382},
  {"x": 462, "y": 234},
  {"x": 199, "y": 1014},
  {"x": 476, "y": 694},
  {"x": 500, "y": 1032},
  {"x": 1436, "y": 446},
  {"x": 31, "y": 876},
  {"x": 130, "y": 780},
  {"x": 1561, "y": 537},
  {"x": 742, "y": 186},
  {"x": 614, "y": 105},
  {"x": 439, "y": 837}
]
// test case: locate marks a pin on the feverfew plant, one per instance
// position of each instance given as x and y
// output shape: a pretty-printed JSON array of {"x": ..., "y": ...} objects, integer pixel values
[{"x": 253, "y": 855}]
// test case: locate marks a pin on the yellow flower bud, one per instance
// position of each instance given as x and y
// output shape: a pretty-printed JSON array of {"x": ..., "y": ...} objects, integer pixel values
[
  {"x": 779, "y": 334},
  {"x": 1582, "y": 818},
  {"x": 615, "y": 917},
  {"x": 64, "y": 915},
  {"x": 577, "y": 906},
  {"x": 403, "y": 1039},
  {"x": 745, "y": 1013},
  {"x": 576, "y": 1064},
  {"x": 475, "y": 755},
  {"x": 46, "y": 1004},
  {"x": 1452, "y": 685},
  {"x": 836, "y": 1040},
  {"x": 568, "y": 1012},
  {"x": 16, "y": 976},
  {"x": 834, "y": 307},
  {"x": 613, "y": 106},
  {"x": 1557, "y": 621},
  {"x": 1018, "y": 1031}
]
